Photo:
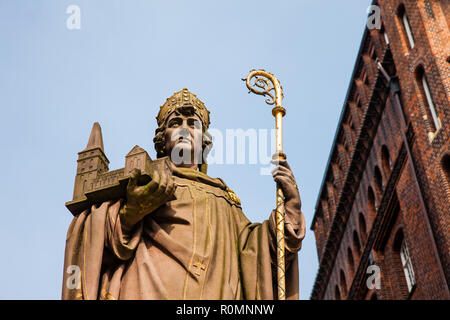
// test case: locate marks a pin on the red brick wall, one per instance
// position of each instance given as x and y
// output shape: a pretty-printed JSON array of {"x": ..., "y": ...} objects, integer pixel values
[
  {"x": 429, "y": 22},
  {"x": 419, "y": 183}
]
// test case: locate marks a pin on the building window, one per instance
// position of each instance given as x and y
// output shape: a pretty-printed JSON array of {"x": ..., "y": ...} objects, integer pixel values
[
  {"x": 371, "y": 203},
  {"x": 402, "y": 265},
  {"x": 431, "y": 116},
  {"x": 337, "y": 293},
  {"x": 406, "y": 26},
  {"x": 362, "y": 228},
  {"x": 359, "y": 110},
  {"x": 343, "y": 283},
  {"x": 386, "y": 161},
  {"x": 337, "y": 172},
  {"x": 378, "y": 180},
  {"x": 407, "y": 266},
  {"x": 351, "y": 261},
  {"x": 445, "y": 164},
  {"x": 326, "y": 210},
  {"x": 356, "y": 244},
  {"x": 385, "y": 36}
]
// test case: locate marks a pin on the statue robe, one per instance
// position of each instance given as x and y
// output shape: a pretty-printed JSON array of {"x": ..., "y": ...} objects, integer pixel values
[{"x": 198, "y": 246}]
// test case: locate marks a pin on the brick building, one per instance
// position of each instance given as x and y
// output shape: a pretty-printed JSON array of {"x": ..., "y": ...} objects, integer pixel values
[{"x": 385, "y": 195}]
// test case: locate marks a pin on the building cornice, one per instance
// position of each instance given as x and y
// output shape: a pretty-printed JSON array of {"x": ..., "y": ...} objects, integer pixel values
[{"x": 363, "y": 145}]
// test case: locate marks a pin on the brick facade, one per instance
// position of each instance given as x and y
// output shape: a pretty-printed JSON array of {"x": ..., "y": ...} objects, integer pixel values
[{"x": 385, "y": 196}]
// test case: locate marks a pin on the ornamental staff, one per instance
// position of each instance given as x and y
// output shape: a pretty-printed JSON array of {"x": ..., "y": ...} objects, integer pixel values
[{"x": 264, "y": 83}]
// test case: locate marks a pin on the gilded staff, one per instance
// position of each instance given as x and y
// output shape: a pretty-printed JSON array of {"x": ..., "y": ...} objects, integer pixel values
[{"x": 264, "y": 83}]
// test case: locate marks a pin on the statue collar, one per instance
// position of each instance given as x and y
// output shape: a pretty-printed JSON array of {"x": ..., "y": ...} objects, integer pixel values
[
  {"x": 201, "y": 177},
  {"x": 198, "y": 176}
]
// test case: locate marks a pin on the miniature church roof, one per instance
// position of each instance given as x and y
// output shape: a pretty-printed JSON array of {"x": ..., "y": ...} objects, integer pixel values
[{"x": 136, "y": 149}]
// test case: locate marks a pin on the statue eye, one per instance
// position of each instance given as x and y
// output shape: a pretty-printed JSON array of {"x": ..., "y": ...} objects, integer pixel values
[
  {"x": 193, "y": 123},
  {"x": 175, "y": 123}
]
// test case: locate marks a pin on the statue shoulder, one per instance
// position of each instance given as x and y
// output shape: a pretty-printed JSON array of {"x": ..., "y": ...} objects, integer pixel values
[{"x": 230, "y": 195}]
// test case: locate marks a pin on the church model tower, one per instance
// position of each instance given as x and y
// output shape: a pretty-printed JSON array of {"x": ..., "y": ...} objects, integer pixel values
[{"x": 94, "y": 183}]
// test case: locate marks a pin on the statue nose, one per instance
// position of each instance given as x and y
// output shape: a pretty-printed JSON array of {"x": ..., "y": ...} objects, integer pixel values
[{"x": 182, "y": 133}]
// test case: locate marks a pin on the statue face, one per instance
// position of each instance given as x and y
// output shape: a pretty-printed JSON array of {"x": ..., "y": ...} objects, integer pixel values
[{"x": 183, "y": 137}]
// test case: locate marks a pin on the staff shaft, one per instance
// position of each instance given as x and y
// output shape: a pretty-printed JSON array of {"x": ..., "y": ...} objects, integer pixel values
[
  {"x": 267, "y": 84},
  {"x": 280, "y": 214}
]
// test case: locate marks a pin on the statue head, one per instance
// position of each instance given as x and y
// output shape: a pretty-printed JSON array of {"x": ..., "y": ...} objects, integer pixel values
[{"x": 183, "y": 123}]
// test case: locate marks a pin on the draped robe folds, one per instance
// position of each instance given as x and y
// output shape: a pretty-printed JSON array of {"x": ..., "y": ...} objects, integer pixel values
[{"x": 198, "y": 246}]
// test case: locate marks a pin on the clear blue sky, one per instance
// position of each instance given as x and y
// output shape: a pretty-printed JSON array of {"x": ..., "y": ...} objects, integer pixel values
[{"x": 126, "y": 59}]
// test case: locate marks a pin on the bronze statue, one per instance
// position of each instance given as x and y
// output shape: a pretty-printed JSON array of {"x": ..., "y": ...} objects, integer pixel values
[{"x": 164, "y": 229}]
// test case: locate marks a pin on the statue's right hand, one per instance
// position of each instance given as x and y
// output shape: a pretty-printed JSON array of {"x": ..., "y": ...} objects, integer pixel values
[{"x": 141, "y": 200}]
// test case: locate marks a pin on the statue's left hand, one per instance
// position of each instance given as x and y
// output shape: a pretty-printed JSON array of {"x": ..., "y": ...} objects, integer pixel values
[{"x": 283, "y": 176}]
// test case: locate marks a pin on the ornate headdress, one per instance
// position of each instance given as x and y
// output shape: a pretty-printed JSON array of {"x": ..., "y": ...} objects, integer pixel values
[
  {"x": 183, "y": 99},
  {"x": 180, "y": 99}
]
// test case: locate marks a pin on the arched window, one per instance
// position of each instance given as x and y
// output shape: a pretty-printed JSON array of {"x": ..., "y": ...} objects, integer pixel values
[
  {"x": 356, "y": 244},
  {"x": 326, "y": 210},
  {"x": 332, "y": 199},
  {"x": 378, "y": 180},
  {"x": 362, "y": 228},
  {"x": 386, "y": 161},
  {"x": 445, "y": 165},
  {"x": 403, "y": 262},
  {"x": 351, "y": 261},
  {"x": 385, "y": 36},
  {"x": 353, "y": 132},
  {"x": 337, "y": 293},
  {"x": 337, "y": 172},
  {"x": 406, "y": 27},
  {"x": 343, "y": 283},
  {"x": 371, "y": 203},
  {"x": 431, "y": 113}
]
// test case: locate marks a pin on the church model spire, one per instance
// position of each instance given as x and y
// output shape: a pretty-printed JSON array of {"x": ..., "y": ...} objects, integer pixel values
[
  {"x": 94, "y": 181},
  {"x": 92, "y": 161},
  {"x": 95, "y": 139}
]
